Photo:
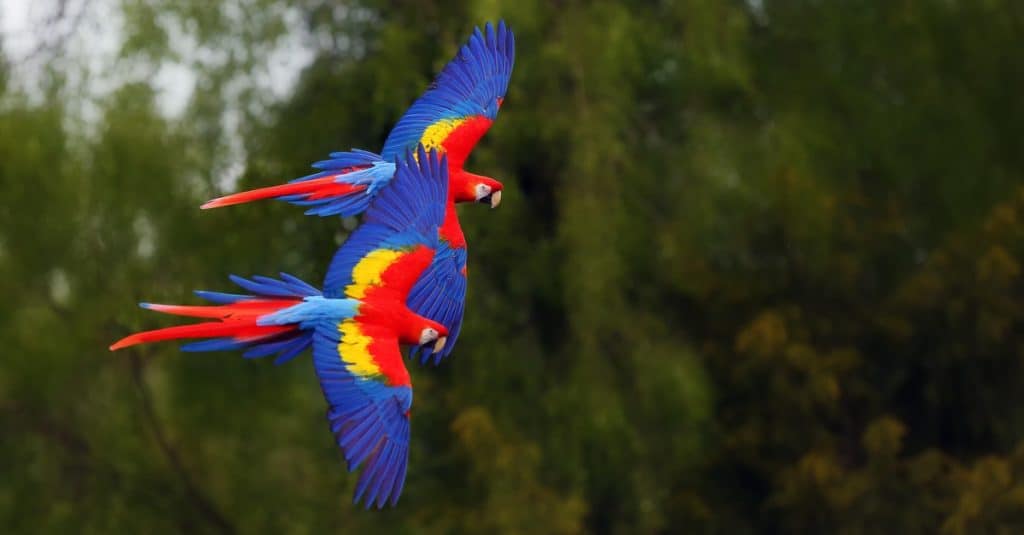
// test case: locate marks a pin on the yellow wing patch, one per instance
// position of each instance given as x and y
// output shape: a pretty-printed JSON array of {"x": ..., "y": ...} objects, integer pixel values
[
  {"x": 436, "y": 133},
  {"x": 354, "y": 349},
  {"x": 368, "y": 271}
]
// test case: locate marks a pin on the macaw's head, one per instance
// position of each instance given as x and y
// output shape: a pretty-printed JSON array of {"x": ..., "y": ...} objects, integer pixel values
[
  {"x": 477, "y": 188},
  {"x": 423, "y": 331}
]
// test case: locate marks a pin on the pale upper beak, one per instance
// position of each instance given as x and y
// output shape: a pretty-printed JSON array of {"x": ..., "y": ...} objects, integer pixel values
[
  {"x": 439, "y": 344},
  {"x": 495, "y": 199}
]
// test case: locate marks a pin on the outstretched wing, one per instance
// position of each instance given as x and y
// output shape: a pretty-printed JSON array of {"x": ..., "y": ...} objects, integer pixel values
[
  {"x": 440, "y": 294},
  {"x": 369, "y": 395},
  {"x": 401, "y": 221},
  {"x": 459, "y": 107}
]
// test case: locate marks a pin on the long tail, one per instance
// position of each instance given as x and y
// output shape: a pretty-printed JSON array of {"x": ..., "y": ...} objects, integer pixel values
[
  {"x": 238, "y": 324},
  {"x": 345, "y": 186}
]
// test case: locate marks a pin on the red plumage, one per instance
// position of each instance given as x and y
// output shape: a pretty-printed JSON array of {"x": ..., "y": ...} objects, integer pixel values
[
  {"x": 462, "y": 139},
  {"x": 317, "y": 188},
  {"x": 237, "y": 321}
]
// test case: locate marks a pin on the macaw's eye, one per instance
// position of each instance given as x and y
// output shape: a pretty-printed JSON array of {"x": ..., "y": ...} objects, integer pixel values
[{"x": 482, "y": 190}]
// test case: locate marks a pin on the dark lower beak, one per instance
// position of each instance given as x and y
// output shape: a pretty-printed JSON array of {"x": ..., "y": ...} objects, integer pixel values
[{"x": 494, "y": 199}]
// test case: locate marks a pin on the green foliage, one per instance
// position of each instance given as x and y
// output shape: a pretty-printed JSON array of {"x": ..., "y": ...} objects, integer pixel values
[{"x": 758, "y": 270}]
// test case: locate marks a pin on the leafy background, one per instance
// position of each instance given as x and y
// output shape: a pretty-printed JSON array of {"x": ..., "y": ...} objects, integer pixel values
[{"x": 758, "y": 268}]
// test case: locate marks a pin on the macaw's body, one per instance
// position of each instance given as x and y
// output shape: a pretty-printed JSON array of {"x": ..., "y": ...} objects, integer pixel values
[
  {"x": 450, "y": 117},
  {"x": 354, "y": 326}
]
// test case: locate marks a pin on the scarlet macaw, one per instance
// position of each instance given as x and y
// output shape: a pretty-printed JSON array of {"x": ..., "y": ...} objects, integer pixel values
[
  {"x": 355, "y": 325},
  {"x": 451, "y": 116}
]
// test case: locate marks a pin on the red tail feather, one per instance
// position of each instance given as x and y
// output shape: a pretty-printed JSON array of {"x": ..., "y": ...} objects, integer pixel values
[
  {"x": 237, "y": 321},
  {"x": 317, "y": 188}
]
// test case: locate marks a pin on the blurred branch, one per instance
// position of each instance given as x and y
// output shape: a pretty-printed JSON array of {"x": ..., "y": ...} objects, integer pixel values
[
  {"x": 44, "y": 426},
  {"x": 203, "y": 503}
]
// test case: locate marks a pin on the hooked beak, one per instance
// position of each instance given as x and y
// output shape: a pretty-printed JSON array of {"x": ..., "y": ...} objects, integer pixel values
[
  {"x": 439, "y": 344},
  {"x": 494, "y": 199}
]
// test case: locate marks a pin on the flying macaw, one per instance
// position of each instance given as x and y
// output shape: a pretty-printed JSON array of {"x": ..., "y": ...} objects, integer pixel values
[
  {"x": 451, "y": 116},
  {"x": 355, "y": 325}
]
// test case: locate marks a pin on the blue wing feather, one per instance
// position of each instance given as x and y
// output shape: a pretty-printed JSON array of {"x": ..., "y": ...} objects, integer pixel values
[
  {"x": 345, "y": 159},
  {"x": 440, "y": 294},
  {"x": 470, "y": 84},
  {"x": 368, "y": 419},
  {"x": 406, "y": 214},
  {"x": 267, "y": 287},
  {"x": 417, "y": 198},
  {"x": 221, "y": 298}
]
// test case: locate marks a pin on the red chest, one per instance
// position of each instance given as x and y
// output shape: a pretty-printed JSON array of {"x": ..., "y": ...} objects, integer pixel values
[{"x": 451, "y": 229}]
